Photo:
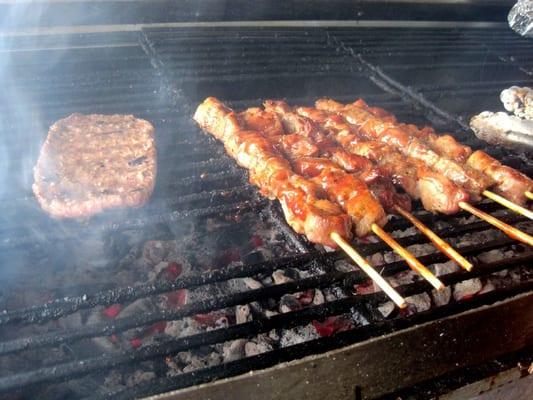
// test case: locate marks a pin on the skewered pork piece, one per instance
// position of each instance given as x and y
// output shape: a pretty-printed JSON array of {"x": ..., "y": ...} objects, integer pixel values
[
  {"x": 377, "y": 181},
  {"x": 305, "y": 206},
  {"x": 437, "y": 193},
  {"x": 510, "y": 183},
  {"x": 346, "y": 189},
  {"x": 506, "y": 181},
  {"x": 445, "y": 144},
  {"x": 373, "y": 127},
  {"x": 316, "y": 168}
]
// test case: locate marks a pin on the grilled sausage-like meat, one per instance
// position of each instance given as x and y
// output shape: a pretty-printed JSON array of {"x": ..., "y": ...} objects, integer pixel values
[
  {"x": 349, "y": 192},
  {"x": 375, "y": 178},
  {"x": 509, "y": 182},
  {"x": 503, "y": 180},
  {"x": 444, "y": 144},
  {"x": 437, "y": 193},
  {"x": 396, "y": 136},
  {"x": 304, "y": 204}
]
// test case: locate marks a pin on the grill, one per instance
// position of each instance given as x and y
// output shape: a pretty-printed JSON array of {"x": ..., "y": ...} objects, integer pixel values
[{"x": 161, "y": 75}]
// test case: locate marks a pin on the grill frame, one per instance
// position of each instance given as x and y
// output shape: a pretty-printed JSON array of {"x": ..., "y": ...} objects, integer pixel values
[
  {"x": 356, "y": 372},
  {"x": 179, "y": 97},
  {"x": 108, "y": 12}
]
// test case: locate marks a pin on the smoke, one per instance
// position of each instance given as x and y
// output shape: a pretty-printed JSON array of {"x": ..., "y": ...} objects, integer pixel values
[
  {"x": 23, "y": 63},
  {"x": 30, "y": 65}
]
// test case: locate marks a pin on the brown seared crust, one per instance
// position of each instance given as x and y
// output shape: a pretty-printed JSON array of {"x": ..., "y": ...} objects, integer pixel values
[
  {"x": 90, "y": 163},
  {"x": 508, "y": 182}
]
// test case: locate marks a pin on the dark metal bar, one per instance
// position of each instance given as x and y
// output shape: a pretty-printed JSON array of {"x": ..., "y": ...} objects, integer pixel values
[
  {"x": 120, "y": 325},
  {"x": 304, "y": 349},
  {"x": 288, "y": 320},
  {"x": 299, "y": 241},
  {"x": 62, "y": 307}
]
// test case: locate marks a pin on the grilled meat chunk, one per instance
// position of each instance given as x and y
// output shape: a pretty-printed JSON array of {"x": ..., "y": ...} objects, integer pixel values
[
  {"x": 395, "y": 135},
  {"x": 437, "y": 193},
  {"x": 509, "y": 182},
  {"x": 444, "y": 144},
  {"x": 345, "y": 188},
  {"x": 90, "y": 163},
  {"x": 303, "y": 202}
]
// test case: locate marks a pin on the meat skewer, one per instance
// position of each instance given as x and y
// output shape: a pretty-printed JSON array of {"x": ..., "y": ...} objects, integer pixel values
[
  {"x": 379, "y": 184},
  {"x": 304, "y": 207},
  {"x": 511, "y": 184},
  {"x": 437, "y": 193},
  {"x": 397, "y": 136},
  {"x": 388, "y": 132},
  {"x": 339, "y": 133},
  {"x": 507, "y": 182},
  {"x": 509, "y": 204},
  {"x": 349, "y": 191},
  {"x": 452, "y": 146},
  {"x": 345, "y": 189}
]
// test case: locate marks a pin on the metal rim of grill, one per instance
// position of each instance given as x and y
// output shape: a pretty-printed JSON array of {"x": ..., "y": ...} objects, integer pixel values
[{"x": 325, "y": 54}]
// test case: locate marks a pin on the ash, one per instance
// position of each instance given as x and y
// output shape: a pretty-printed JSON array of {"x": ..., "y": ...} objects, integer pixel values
[
  {"x": 169, "y": 253},
  {"x": 461, "y": 291}
]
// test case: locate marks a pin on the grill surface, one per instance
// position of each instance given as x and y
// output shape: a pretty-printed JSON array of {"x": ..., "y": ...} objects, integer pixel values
[{"x": 161, "y": 75}]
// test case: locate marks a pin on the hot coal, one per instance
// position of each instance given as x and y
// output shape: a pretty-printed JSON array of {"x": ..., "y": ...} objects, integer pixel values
[{"x": 206, "y": 247}]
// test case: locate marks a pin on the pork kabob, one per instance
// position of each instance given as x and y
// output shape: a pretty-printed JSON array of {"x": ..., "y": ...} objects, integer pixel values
[
  {"x": 511, "y": 188},
  {"x": 348, "y": 189},
  {"x": 436, "y": 192},
  {"x": 474, "y": 183},
  {"x": 310, "y": 123},
  {"x": 305, "y": 205}
]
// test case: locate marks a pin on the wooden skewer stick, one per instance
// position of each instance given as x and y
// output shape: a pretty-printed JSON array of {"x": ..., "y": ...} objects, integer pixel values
[
  {"x": 509, "y": 204},
  {"x": 437, "y": 241},
  {"x": 507, "y": 229},
  {"x": 415, "y": 265},
  {"x": 529, "y": 195},
  {"x": 371, "y": 272}
]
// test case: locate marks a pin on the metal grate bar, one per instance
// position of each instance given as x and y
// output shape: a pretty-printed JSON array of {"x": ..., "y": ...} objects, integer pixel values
[
  {"x": 316, "y": 346},
  {"x": 77, "y": 368},
  {"x": 62, "y": 307},
  {"x": 324, "y": 280}
]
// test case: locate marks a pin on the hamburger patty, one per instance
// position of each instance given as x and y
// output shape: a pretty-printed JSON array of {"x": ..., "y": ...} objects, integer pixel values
[{"x": 90, "y": 163}]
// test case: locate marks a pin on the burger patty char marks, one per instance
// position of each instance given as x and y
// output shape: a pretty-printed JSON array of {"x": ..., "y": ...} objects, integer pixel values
[{"x": 90, "y": 163}]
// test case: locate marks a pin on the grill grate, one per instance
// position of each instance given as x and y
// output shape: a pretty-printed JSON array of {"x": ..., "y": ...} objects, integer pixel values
[
  {"x": 75, "y": 368},
  {"x": 473, "y": 65},
  {"x": 197, "y": 180}
]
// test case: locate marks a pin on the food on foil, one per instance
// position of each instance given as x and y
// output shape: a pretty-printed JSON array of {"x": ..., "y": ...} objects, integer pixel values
[
  {"x": 90, "y": 163},
  {"x": 519, "y": 101},
  {"x": 502, "y": 129},
  {"x": 341, "y": 168},
  {"x": 520, "y": 18}
]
